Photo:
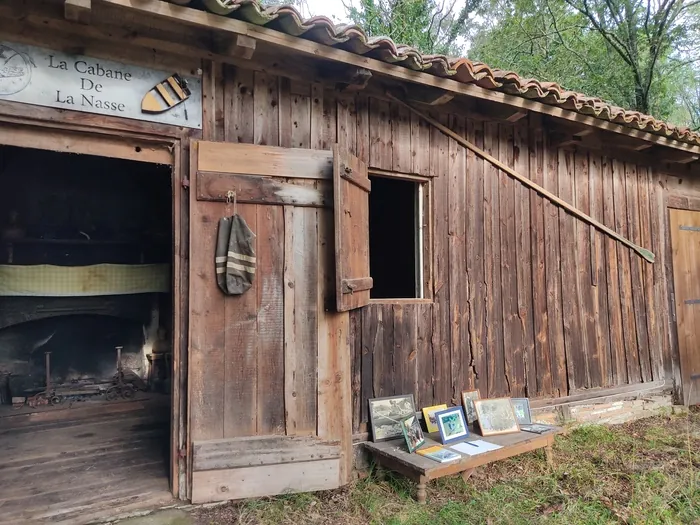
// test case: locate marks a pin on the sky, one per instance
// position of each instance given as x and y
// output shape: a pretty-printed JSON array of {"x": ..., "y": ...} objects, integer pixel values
[{"x": 333, "y": 9}]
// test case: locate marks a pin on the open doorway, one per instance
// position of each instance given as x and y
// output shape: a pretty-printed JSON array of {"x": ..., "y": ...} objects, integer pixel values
[{"x": 86, "y": 324}]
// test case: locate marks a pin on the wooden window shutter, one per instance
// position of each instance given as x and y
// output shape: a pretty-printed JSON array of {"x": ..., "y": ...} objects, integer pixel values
[{"x": 351, "y": 187}]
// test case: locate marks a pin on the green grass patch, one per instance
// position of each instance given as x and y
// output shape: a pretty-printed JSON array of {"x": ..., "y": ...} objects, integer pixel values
[{"x": 647, "y": 472}]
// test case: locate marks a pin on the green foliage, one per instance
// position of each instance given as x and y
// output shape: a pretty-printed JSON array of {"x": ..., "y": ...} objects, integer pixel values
[
  {"x": 427, "y": 25},
  {"x": 550, "y": 42},
  {"x": 637, "y": 54},
  {"x": 632, "y": 53},
  {"x": 638, "y": 473}
]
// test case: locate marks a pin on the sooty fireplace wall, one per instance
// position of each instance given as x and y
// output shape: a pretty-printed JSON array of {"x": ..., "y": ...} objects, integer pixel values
[{"x": 85, "y": 249}]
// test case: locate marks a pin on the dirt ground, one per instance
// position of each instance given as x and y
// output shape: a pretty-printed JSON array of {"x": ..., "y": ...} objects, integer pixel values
[{"x": 643, "y": 472}]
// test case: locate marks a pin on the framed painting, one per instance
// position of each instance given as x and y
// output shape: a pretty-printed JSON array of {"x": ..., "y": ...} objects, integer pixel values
[
  {"x": 412, "y": 432},
  {"x": 521, "y": 406},
  {"x": 429, "y": 416},
  {"x": 386, "y": 413},
  {"x": 496, "y": 416},
  {"x": 452, "y": 425},
  {"x": 468, "y": 398}
]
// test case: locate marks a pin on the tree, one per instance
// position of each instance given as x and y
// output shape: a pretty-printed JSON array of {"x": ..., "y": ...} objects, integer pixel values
[
  {"x": 632, "y": 53},
  {"x": 301, "y": 5},
  {"x": 431, "y": 26},
  {"x": 688, "y": 112},
  {"x": 549, "y": 42},
  {"x": 643, "y": 33}
]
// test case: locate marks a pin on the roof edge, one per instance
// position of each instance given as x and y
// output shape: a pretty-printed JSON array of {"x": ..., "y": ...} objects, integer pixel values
[{"x": 319, "y": 37}]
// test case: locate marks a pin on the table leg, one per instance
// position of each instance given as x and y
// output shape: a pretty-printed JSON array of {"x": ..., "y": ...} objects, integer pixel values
[
  {"x": 421, "y": 494},
  {"x": 550, "y": 456},
  {"x": 467, "y": 474}
]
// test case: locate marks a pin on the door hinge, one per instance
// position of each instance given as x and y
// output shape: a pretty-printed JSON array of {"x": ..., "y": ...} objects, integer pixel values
[
  {"x": 183, "y": 453},
  {"x": 186, "y": 183}
]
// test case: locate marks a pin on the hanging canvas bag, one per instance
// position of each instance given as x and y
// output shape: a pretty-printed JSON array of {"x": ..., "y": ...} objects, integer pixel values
[{"x": 235, "y": 255}]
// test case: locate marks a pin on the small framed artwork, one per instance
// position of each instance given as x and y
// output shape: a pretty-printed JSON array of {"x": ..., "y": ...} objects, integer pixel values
[
  {"x": 496, "y": 416},
  {"x": 412, "y": 432},
  {"x": 468, "y": 398},
  {"x": 452, "y": 425},
  {"x": 386, "y": 413},
  {"x": 429, "y": 416},
  {"x": 521, "y": 405}
]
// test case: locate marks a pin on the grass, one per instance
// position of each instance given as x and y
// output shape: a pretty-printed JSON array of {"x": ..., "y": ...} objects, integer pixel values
[{"x": 646, "y": 472}]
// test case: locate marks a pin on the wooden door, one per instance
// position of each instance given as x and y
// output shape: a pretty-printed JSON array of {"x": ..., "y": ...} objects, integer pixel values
[
  {"x": 685, "y": 242},
  {"x": 269, "y": 370}
]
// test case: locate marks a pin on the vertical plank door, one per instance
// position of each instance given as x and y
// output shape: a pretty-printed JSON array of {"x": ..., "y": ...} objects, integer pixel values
[
  {"x": 685, "y": 244},
  {"x": 269, "y": 370}
]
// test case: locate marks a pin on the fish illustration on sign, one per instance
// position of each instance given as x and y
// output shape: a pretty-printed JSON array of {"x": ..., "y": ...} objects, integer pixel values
[
  {"x": 166, "y": 95},
  {"x": 15, "y": 70}
]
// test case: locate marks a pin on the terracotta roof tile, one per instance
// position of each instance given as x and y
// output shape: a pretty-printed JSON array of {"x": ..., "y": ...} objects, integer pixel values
[{"x": 352, "y": 38}]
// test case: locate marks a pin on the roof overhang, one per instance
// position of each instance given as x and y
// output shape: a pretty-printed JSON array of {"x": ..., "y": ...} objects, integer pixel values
[
  {"x": 180, "y": 15},
  {"x": 231, "y": 41}
]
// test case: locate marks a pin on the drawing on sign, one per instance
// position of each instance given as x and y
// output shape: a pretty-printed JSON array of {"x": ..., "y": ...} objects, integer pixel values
[
  {"x": 45, "y": 77},
  {"x": 15, "y": 70},
  {"x": 166, "y": 95}
]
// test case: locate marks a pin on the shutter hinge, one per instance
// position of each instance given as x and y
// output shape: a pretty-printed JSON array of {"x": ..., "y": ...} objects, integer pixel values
[
  {"x": 183, "y": 453},
  {"x": 186, "y": 183}
]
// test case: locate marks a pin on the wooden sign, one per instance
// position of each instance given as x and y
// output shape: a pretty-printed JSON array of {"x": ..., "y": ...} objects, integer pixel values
[{"x": 43, "y": 77}]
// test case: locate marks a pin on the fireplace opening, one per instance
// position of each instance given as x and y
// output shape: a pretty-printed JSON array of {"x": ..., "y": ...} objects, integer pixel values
[{"x": 86, "y": 331}]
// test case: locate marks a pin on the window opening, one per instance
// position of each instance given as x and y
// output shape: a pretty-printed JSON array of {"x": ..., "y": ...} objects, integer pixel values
[{"x": 396, "y": 238}]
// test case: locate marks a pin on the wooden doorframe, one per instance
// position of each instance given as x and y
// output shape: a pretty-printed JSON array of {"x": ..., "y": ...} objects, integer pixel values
[
  {"x": 682, "y": 202},
  {"x": 50, "y": 129}
]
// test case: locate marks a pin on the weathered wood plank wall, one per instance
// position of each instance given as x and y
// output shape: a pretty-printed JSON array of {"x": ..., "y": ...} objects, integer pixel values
[{"x": 526, "y": 300}]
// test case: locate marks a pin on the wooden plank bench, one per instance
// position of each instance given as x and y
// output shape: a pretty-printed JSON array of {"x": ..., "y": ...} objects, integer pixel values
[{"x": 394, "y": 455}]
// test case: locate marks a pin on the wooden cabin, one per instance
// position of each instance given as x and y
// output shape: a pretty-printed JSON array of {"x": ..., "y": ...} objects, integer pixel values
[{"x": 390, "y": 259}]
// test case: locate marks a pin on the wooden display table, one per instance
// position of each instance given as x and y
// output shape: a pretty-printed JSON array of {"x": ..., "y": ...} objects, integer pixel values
[{"x": 394, "y": 455}]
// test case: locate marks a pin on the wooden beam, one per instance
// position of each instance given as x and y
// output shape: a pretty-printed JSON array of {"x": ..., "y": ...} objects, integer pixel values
[
  {"x": 63, "y": 141},
  {"x": 346, "y": 78},
  {"x": 592, "y": 138},
  {"x": 643, "y": 252},
  {"x": 429, "y": 96},
  {"x": 78, "y": 10},
  {"x": 215, "y": 187},
  {"x": 674, "y": 156},
  {"x": 187, "y": 16},
  {"x": 683, "y": 202},
  {"x": 36, "y": 24},
  {"x": 518, "y": 115},
  {"x": 592, "y": 141},
  {"x": 260, "y": 450},
  {"x": 590, "y": 395},
  {"x": 265, "y": 161},
  {"x": 563, "y": 134},
  {"x": 239, "y": 46},
  {"x": 356, "y": 81},
  {"x": 254, "y": 482},
  {"x": 561, "y": 140}
]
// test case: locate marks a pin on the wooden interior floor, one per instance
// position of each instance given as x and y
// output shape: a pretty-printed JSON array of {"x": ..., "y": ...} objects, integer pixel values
[{"x": 85, "y": 465}]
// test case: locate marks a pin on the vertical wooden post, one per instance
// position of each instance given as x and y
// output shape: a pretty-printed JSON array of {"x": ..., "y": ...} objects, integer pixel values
[
  {"x": 549, "y": 453},
  {"x": 421, "y": 494}
]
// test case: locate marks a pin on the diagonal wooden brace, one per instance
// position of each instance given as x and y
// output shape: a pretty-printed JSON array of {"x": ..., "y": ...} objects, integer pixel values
[{"x": 646, "y": 254}]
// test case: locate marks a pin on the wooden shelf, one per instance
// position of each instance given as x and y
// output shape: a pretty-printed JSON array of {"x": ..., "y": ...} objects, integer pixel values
[{"x": 71, "y": 242}]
